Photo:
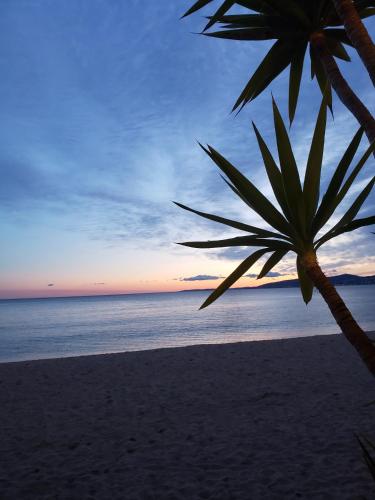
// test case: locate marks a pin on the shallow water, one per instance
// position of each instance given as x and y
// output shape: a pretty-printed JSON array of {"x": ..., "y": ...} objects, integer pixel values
[{"x": 59, "y": 327}]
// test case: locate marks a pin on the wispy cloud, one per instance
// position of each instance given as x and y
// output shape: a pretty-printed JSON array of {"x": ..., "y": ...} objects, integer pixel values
[
  {"x": 270, "y": 274},
  {"x": 200, "y": 277}
]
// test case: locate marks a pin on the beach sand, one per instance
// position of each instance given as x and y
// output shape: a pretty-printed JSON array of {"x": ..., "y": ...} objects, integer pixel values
[{"x": 255, "y": 420}]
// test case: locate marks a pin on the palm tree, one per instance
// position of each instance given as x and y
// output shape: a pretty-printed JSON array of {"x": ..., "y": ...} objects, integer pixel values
[
  {"x": 298, "y": 221},
  {"x": 296, "y": 26},
  {"x": 357, "y": 33}
]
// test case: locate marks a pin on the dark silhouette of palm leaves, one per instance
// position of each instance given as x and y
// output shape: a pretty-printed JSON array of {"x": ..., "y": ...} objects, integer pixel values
[
  {"x": 301, "y": 214},
  {"x": 291, "y": 23},
  {"x": 368, "y": 449}
]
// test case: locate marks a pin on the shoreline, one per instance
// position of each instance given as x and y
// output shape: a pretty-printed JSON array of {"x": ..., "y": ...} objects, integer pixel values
[
  {"x": 370, "y": 334},
  {"x": 170, "y": 347},
  {"x": 248, "y": 420}
]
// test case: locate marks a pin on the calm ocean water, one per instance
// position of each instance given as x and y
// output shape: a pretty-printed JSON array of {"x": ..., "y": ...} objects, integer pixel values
[{"x": 59, "y": 327}]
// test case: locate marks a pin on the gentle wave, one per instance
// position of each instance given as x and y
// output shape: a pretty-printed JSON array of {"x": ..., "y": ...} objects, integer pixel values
[{"x": 60, "y": 327}]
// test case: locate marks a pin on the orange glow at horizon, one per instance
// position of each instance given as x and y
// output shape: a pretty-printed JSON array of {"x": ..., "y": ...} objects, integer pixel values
[
  {"x": 143, "y": 276},
  {"x": 145, "y": 286}
]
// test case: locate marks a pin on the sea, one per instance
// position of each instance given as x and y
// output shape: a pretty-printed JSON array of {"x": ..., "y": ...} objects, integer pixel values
[{"x": 76, "y": 326}]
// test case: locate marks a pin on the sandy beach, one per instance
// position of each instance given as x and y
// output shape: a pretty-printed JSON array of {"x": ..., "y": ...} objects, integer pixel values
[{"x": 255, "y": 420}]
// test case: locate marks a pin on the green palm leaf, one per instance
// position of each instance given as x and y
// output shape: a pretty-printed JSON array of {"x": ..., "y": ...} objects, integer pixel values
[
  {"x": 291, "y": 23},
  {"x": 251, "y": 21},
  {"x": 256, "y": 199},
  {"x": 311, "y": 186},
  {"x": 328, "y": 205},
  {"x": 226, "y": 5},
  {"x": 236, "y": 192},
  {"x": 198, "y": 5},
  {"x": 234, "y": 276},
  {"x": 348, "y": 183},
  {"x": 352, "y": 226},
  {"x": 357, "y": 223},
  {"x": 357, "y": 204},
  {"x": 305, "y": 283},
  {"x": 277, "y": 59},
  {"x": 238, "y": 241},
  {"x": 259, "y": 33},
  {"x": 287, "y": 187},
  {"x": 296, "y": 68},
  {"x": 350, "y": 213},
  {"x": 232, "y": 223},
  {"x": 272, "y": 262},
  {"x": 318, "y": 71},
  {"x": 337, "y": 49},
  {"x": 290, "y": 8},
  {"x": 289, "y": 173},
  {"x": 257, "y": 6},
  {"x": 334, "y": 197},
  {"x": 339, "y": 35},
  {"x": 273, "y": 173}
]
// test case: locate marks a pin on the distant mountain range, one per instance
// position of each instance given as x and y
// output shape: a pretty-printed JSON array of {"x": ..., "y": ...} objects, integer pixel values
[{"x": 339, "y": 280}]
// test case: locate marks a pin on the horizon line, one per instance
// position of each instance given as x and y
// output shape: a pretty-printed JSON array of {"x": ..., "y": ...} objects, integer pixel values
[{"x": 163, "y": 292}]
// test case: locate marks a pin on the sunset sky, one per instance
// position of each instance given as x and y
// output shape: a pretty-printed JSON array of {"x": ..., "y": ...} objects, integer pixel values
[{"x": 102, "y": 105}]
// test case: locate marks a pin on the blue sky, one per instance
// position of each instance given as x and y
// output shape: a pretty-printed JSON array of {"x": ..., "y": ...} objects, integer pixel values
[{"x": 102, "y": 105}]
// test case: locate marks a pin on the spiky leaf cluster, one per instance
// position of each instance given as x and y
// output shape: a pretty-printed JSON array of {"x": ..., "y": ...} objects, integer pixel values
[
  {"x": 301, "y": 212},
  {"x": 291, "y": 23}
]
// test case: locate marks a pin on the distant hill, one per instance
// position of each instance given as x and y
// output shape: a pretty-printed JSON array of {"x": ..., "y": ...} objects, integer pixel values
[{"x": 339, "y": 280}]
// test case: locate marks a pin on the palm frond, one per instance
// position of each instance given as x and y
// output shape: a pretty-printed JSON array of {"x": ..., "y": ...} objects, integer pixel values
[
  {"x": 336, "y": 190},
  {"x": 221, "y": 11},
  {"x": 327, "y": 205},
  {"x": 296, "y": 69},
  {"x": 276, "y": 60},
  {"x": 350, "y": 214},
  {"x": 196, "y": 6},
  {"x": 301, "y": 218},
  {"x": 240, "y": 241},
  {"x": 273, "y": 173},
  {"x": 246, "y": 188},
  {"x": 305, "y": 283},
  {"x": 234, "y": 276},
  {"x": 351, "y": 226},
  {"x": 273, "y": 260},
  {"x": 311, "y": 185},
  {"x": 232, "y": 223},
  {"x": 289, "y": 173},
  {"x": 290, "y": 23}
]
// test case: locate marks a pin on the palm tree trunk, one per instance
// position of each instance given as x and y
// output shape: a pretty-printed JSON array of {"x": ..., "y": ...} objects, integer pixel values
[
  {"x": 342, "y": 89},
  {"x": 349, "y": 327},
  {"x": 357, "y": 33}
]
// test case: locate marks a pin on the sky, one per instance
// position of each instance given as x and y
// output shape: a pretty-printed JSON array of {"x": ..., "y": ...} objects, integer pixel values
[{"x": 103, "y": 102}]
